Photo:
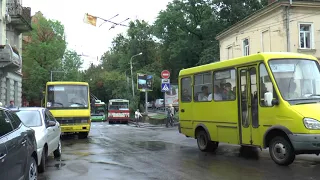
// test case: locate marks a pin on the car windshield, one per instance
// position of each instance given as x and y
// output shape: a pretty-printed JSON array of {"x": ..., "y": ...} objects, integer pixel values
[
  {"x": 297, "y": 79},
  {"x": 67, "y": 96},
  {"x": 30, "y": 118}
]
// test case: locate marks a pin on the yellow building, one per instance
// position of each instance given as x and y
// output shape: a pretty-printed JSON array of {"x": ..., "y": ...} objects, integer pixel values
[{"x": 282, "y": 26}]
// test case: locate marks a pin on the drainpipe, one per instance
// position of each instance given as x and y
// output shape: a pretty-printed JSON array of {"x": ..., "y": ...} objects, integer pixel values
[{"x": 288, "y": 25}]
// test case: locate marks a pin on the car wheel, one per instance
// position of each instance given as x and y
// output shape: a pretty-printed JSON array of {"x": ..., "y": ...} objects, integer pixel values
[
  {"x": 32, "y": 171},
  {"x": 204, "y": 144},
  {"x": 83, "y": 135},
  {"x": 58, "y": 151},
  {"x": 281, "y": 151},
  {"x": 42, "y": 166}
]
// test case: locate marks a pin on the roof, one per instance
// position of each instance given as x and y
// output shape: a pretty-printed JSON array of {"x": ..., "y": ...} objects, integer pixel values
[
  {"x": 66, "y": 82},
  {"x": 27, "y": 109},
  {"x": 243, "y": 60},
  {"x": 265, "y": 11}
]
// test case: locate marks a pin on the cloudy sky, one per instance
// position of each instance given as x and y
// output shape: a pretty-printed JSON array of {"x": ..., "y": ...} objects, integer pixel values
[{"x": 87, "y": 39}]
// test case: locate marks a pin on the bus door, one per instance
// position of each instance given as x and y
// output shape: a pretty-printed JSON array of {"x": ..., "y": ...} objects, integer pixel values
[{"x": 248, "y": 102}]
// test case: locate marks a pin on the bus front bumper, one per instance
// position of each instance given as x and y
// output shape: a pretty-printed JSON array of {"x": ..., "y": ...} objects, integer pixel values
[
  {"x": 75, "y": 128},
  {"x": 305, "y": 142}
]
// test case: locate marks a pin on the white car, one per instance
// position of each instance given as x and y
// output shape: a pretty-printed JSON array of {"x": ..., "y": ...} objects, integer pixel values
[{"x": 47, "y": 132}]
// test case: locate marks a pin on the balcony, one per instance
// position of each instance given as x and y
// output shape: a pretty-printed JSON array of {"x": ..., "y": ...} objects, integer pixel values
[
  {"x": 20, "y": 16},
  {"x": 10, "y": 60}
]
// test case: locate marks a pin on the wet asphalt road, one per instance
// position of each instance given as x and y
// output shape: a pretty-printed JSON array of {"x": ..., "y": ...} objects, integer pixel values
[{"x": 127, "y": 152}]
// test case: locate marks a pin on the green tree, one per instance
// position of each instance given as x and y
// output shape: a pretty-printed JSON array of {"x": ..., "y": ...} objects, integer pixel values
[
  {"x": 42, "y": 53},
  {"x": 70, "y": 64}
]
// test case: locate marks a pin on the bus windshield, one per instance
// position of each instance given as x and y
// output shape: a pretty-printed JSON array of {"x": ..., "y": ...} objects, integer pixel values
[
  {"x": 297, "y": 79},
  {"x": 67, "y": 97},
  {"x": 119, "y": 106}
]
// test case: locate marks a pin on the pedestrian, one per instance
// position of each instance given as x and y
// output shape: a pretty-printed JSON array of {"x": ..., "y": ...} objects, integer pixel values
[
  {"x": 11, "y": 104},
  {"x": 137, "y": 116}
]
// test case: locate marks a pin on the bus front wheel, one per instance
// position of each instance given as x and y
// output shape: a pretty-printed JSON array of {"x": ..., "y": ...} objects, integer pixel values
[
  {"x": 204, "y": 144},
  {"x": 83, "y": 135},
  {"x": 281, "y": 151}
]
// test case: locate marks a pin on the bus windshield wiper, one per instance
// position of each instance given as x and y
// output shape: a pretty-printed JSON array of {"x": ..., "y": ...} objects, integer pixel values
[
  {"x": 312, "y": 102},
  {"x": 314, "y": 95}
]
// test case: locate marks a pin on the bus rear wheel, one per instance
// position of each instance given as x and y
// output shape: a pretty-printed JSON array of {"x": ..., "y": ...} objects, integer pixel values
[
  {"x": 281, "y": 151},
  {"x": 204, "y": 144}
]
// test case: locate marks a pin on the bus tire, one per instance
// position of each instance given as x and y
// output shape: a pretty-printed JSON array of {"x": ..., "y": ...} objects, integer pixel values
[
  {"x": 204, "y": 144},
  {"x": 83, "y": 135},
  {"x": 281, "y": 151}
]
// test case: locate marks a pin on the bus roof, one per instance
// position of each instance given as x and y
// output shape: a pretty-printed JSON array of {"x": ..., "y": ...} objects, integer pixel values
[
  {"x": 67, "y": 82},
  {"x": 244, "y": 60},
  {"x": 118, "y": 100}
]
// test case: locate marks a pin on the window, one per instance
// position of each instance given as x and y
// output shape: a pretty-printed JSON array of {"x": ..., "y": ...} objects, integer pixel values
[
  {"x": 14, "y": 119},
  {"x": 186, "y": 90},
  {"x": 5, "y": 126},
  {"x": 225, "y": 85},
  {"x": 203, "y": 87},
  {"x": 265, "y": 84},
  {"x": 305, "y": 36},
  {"x": 246, "y": 47},
  {"x": 67, "y": 96},
  {"x": 30, "y": 118}
]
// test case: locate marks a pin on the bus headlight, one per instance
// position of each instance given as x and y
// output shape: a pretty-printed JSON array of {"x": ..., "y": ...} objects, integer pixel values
[
  {"x": 84, "y": 121},
  {"x": 310, "y": 123}
]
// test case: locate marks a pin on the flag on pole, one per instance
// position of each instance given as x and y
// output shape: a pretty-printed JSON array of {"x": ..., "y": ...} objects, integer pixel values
[{"x": 89, "y": 19}]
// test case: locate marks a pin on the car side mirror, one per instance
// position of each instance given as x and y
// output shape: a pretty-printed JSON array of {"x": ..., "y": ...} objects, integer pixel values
[
  {"x": 51, "y": 123},
  {"x": 268, "y": 96}
]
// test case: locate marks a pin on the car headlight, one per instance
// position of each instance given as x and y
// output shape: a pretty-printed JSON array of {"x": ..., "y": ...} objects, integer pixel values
[{"x": 311, "y": 123}]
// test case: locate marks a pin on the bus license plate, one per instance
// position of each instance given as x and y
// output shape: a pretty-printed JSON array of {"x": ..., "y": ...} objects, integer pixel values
[{"x": 66, "y": 128}]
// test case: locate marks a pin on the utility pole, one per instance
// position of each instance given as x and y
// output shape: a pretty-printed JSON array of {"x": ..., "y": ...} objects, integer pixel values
[
  {"x": 132, "y": 72},
  {"x": 53, "y": 72}
]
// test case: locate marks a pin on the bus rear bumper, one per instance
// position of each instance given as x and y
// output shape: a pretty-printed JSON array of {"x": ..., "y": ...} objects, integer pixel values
[
  {"x": 75, "y": 128},
  {"x": 305, "y": 143}
]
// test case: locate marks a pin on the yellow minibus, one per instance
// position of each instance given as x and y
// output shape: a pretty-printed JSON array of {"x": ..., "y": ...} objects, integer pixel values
[{"x": 265, "y": 100}]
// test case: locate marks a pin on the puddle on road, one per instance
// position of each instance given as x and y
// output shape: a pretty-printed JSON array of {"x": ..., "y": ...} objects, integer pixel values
[{"x": 155, "y": 145}]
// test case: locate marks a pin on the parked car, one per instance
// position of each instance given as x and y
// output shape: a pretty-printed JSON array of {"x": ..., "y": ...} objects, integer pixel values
[
  {"x": 47, "y": 132},
  {"x": 18, "y": 148},
  {"x": 159, "y": 103}
]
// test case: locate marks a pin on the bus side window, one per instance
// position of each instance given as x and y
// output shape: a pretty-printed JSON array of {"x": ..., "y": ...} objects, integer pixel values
[
  {"x": 203, "y": 87},
  {"x": 186, "y": 90},
  {"x": 265, "y": 84},
  {"x": 225, "y": 85}
]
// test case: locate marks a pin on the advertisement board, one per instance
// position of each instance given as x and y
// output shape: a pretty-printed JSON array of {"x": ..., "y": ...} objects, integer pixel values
[
  {"x": 144, "y": 82},
  {"x": 172, "y": 96}
]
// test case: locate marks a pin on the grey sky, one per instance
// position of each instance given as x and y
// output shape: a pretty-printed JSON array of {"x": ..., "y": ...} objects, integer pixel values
[{"x": 87, "y": 39}]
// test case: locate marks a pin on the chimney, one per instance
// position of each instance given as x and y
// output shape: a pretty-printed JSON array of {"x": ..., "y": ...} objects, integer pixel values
[{"x": 271, "y": 1}]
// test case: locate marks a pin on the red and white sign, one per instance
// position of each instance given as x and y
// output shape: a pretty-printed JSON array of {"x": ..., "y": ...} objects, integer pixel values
[{"x": 165, "y": 74}]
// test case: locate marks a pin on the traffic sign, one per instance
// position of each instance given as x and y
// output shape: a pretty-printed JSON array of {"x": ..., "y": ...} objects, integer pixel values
[
  {"x": 165, "y": 74},
  {"x": 165, "y": 87},
  {"x": 165, "y": 81}
]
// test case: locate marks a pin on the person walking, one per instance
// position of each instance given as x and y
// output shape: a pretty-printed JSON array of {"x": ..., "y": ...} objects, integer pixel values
[{"x": 137, "y": 116}]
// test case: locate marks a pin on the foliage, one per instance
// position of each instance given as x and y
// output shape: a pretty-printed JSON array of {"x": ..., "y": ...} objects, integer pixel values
[{"x": 45, "y": 51}]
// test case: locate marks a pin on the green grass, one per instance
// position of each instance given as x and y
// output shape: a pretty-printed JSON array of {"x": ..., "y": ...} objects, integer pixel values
[{"x": 158, "y": 116}]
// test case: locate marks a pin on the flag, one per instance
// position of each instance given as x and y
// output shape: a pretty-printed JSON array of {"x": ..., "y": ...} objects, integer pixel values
[{"x": 89, "y": 19}]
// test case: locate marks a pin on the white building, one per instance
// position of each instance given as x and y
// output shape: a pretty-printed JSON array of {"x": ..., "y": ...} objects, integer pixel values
[{"x": 14, "y": 20}]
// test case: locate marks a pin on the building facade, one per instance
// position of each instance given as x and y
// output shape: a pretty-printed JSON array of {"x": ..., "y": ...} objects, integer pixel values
[
  {"x": 15, "y": 20},
  {"x": 282, "y": 26}
]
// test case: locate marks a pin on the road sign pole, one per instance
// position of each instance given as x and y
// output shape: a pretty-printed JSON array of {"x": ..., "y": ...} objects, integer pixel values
[{"x": 146, "y": 102}]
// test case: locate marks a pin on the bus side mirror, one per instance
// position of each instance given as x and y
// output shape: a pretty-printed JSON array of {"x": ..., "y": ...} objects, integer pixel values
[{"x": 268, "y": 96}]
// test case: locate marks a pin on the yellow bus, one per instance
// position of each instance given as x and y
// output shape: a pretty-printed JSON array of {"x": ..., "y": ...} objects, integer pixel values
[
  {"x": 265, "y": 100},
  {"x": 69, "y": 102}
]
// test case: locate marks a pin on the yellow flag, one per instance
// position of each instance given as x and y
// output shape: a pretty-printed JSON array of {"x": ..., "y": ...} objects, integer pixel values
[{"x": 90, "y": 19}]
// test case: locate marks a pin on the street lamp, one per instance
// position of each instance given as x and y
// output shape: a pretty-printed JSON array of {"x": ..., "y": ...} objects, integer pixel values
[{"x": 131, "y": 71}]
